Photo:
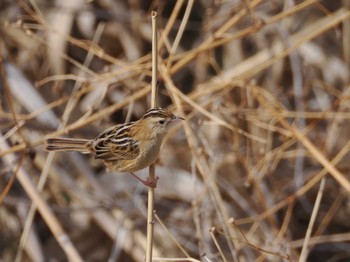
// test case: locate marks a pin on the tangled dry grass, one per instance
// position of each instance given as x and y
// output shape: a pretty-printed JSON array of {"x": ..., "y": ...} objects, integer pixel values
[{"x": 259, "y": 170}]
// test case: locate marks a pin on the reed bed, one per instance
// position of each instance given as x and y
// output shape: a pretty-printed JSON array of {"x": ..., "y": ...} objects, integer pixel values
[{"x": 259, "y": 169}]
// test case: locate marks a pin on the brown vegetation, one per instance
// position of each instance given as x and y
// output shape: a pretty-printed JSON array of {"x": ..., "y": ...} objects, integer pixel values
[{"x": 258, "y": 171}]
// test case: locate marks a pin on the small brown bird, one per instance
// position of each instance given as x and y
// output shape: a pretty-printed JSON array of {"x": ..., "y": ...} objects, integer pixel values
[{"x": 125, "y": 147}]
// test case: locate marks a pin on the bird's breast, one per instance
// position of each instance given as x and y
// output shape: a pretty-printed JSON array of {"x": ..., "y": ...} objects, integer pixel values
[{"x": 148, "y": 154}]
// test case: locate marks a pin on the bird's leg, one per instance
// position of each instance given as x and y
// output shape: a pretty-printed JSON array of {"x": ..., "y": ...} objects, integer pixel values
[{"x": 148, "y": 182}]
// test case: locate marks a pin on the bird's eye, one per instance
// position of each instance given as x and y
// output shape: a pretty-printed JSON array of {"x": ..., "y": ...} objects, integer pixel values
[{"x": 161, "y": 122}]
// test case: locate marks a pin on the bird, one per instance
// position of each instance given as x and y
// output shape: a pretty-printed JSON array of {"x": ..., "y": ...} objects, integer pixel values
[{"x": 127, "y": 147}]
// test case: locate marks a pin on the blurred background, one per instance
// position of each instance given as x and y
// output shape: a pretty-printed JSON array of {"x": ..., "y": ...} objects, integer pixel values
[{"x": 258, "y": 171}]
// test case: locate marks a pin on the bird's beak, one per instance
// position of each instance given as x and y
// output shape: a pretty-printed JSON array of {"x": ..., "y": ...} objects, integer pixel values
[{"x": 177, "y": 118}]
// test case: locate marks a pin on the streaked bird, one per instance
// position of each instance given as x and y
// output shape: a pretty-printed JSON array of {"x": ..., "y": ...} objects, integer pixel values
[{"x": 125, "y": 147}]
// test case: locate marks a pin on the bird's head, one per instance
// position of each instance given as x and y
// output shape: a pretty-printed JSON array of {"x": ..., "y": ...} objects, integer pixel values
[{"x": 159, "y": 120}]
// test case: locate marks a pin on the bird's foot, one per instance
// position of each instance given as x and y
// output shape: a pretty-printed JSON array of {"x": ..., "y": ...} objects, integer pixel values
[{"x": 149, "y": 182}]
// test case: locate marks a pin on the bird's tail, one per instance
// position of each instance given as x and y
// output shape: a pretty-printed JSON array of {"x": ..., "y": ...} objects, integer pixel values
[{"x": 68, "y": 144}]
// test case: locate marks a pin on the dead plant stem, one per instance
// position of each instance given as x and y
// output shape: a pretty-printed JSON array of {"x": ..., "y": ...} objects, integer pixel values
[
  {"x": 154, "y": 103},
  {"x": 304, "y": 251}
]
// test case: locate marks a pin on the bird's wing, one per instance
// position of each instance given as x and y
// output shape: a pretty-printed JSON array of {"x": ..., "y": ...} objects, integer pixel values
[{"x": 113, "y": 145}]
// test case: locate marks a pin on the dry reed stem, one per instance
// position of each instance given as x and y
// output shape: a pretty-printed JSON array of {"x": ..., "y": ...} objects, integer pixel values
[
  {"x": 334, "y": 238},
  {"x": 152, "y": 168},
  {"x": 171, "y": 236},
  {"x": 212, "y": 233},
  {"x": 262, "y": 250},
  {"x": 170, "y": 23},
  {"x": 179, "y": 33},
  {"x": 286, "y": 221},
  {"x": 184, "y": 259},
  {"x": 304, "y": 250},
  {"x": 327, "y": 218}
]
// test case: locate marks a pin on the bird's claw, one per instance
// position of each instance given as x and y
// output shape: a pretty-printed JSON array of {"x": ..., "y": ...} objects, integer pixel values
[{"x": 151, "y": 182}]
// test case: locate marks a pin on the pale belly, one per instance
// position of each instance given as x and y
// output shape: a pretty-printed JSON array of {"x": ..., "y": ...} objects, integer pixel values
[{"x": 147, "y": 157}]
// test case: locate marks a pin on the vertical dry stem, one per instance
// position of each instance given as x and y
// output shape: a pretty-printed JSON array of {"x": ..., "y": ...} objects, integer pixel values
[{"x": 154, "y": 102}]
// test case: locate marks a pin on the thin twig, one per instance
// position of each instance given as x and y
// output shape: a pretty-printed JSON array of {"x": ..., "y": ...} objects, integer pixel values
[
  {"x": 180, "y": 32},
  {"x": 304, "y": 251},
  {"x": 212, "y": 233},
  {"x": 171, "y": 236}
]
